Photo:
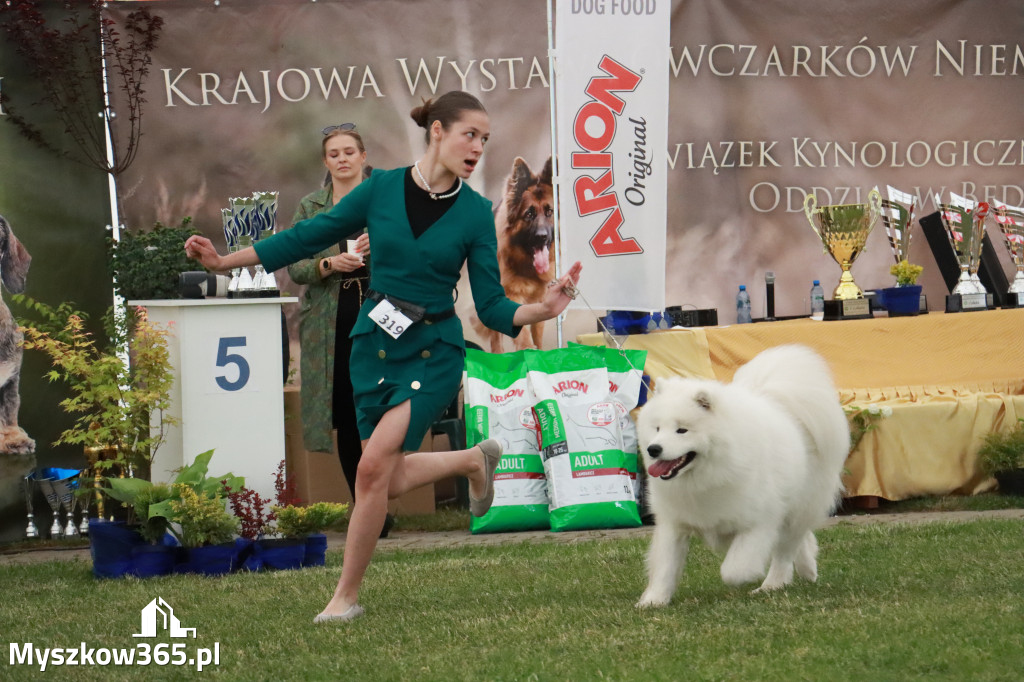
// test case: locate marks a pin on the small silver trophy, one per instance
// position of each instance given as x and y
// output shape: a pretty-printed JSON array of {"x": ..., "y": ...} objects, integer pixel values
[
  {"x": 898, "y": 218},
  {"x": 978, "y": 216},
  {"x": 53, "y": 499},
  {"x": 28, "y": 487},
  {"x": 965, "y": 227},
  {"x": 65, "y": 490},
  {"x": 231, "y": 234},
  {"x": 246, "y": 283},
  {"x": 57, "y": 486},
  {"x": 248, "y": 220},
  {"x": 1011, "y": 223},
  {"x": 264, "y": 222},
  {"x": 242, "y": 214}
]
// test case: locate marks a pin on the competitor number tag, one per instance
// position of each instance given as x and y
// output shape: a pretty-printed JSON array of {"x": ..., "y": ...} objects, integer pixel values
[{"x": 389, "y": 318}]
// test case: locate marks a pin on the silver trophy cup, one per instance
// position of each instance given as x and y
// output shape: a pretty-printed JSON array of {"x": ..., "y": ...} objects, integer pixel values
[{"x": 28, "y": 486}]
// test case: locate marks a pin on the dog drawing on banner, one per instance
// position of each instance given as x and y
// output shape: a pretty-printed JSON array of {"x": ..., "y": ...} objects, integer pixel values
[
  {"x": 525, "y": 225},
  {"x": 14, "y": 262}
]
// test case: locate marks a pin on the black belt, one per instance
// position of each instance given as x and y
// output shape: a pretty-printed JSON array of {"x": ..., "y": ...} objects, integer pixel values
[{"x": 411, "y": 310}]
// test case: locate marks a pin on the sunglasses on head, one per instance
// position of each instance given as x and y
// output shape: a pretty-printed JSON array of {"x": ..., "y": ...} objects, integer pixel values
[{"x": 344, "y": 126}]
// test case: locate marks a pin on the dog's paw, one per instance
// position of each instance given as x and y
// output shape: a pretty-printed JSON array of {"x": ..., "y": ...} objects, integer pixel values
[
  {"x": 649, "y": 600},
  {"x": 765, "y": 587}
]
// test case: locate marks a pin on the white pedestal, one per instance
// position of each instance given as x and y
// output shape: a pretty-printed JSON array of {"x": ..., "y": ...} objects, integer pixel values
[{"x": 228, "y": 388}]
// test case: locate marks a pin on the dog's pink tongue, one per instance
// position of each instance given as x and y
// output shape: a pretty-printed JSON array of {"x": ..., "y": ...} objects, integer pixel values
[
  {"x": 660, "y": 467},
  {"x": 540, "y": 260}
]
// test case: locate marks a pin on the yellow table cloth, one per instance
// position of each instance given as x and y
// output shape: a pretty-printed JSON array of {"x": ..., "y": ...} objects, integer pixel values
[{"x": 949, "y": 379}]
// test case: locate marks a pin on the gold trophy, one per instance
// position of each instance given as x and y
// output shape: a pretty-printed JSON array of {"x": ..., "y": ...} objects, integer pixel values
[
  {"x": 966, "y": 231},
  {"x": 843, "y": 230},
  {"x": 1011, "y": 223}
]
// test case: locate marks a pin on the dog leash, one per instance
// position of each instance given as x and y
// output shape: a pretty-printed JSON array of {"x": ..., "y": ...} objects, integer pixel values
[{"x": 573, "y": 291}]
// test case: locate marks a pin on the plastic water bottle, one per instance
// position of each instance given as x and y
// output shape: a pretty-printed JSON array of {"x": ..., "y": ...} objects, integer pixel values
[
  {"x": 817, "y": 301},
  {"x": 743, "y": 306}
]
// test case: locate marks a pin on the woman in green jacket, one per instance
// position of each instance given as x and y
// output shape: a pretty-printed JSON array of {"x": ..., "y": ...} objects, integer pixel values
[{"x": 408, "y": 349}]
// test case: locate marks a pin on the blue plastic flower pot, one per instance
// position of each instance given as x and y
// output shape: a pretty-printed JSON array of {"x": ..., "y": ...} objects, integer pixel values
[
  {"x": 209, "y": 559},
  {"x": 153, "y": 560},
  {"x": 110, "y": 545},
  {"x": 281, "y": 553},
  {"x": 316, "y": 550},
  {"x": 901, "y": 301}
]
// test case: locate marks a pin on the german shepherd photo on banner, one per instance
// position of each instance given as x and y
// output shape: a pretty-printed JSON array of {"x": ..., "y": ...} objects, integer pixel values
[{"x": 525, "y": 224}]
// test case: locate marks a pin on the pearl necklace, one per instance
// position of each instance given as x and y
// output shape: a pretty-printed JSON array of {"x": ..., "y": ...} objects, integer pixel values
[{"x": 433, "y": 195}]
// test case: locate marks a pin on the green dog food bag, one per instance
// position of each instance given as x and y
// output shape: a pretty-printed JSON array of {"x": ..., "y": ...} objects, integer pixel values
[
  {"x": 499, "y": 405},
  {"x": 589, "y": 476},
  {"x": 625, "y": 372}
]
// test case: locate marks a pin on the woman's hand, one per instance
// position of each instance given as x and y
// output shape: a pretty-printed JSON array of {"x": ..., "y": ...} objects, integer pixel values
[
  {"x": 363, "y": 245},
  {"x": 345, "y": 262},
  {"x": 562, "y": 290},
  {"x": 201, "y": 249},
  {"x": 556, "y": 299}
]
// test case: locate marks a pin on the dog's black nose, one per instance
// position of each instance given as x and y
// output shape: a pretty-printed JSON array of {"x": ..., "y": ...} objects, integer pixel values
[{"x": 654, "y": 450}]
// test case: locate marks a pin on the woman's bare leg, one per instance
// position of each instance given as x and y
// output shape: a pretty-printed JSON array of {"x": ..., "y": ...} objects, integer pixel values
[
  {"x": 385, "y": 473},
  {"x": 381, "y": 453},
  {"x": 421, "y": 468}
]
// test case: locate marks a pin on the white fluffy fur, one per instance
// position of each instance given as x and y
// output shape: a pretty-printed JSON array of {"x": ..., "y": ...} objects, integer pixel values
[{"x": 770, "y": 449}]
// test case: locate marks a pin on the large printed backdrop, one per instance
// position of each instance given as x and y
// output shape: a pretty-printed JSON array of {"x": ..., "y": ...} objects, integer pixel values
[{"x": 767, "y": 102}]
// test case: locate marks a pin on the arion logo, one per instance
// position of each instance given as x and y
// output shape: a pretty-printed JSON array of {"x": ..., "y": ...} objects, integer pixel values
[
  {"x": 593, "y": 131},
  {"x": 158, "y": 614}
]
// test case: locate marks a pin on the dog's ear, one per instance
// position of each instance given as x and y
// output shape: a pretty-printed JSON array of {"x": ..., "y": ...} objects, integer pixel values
[
  {"x": 14, "y": 261},
  {"x": 703, "y": 399},
  {"x": 545, "y": 175},
  {"x": 518, "y": 181}
]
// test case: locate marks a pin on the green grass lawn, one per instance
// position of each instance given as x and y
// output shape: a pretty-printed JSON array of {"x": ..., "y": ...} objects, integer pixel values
[{"x": 940, "y": 601}]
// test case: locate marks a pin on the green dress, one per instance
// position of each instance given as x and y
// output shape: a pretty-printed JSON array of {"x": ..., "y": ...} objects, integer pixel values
[{"x": 424, "y": 365}]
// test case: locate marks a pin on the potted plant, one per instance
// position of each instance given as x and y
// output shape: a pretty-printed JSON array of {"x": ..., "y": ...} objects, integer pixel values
[
  {"x": 158, "y": 553},
  {"x": 905, "y": 297},
  {"x": 268, "y": 551},
  {"x": 308, "y": 523},
  {"x": 207, "y": 531},
  {"x": 254, "y": 523},
  {"x": 119, "y": 406},
  {"x": 200, "y": 519},
  {"x": 146, "y": 265},
  {"x": 152, "y": 515},
  {"x": 1002, "y": 456}
]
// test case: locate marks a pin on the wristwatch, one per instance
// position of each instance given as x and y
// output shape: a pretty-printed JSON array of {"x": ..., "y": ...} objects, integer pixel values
[{"x": 325, "y": 265}]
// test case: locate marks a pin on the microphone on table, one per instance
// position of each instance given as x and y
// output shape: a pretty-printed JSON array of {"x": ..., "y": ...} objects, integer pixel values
[{"x": 769, "y": 286}]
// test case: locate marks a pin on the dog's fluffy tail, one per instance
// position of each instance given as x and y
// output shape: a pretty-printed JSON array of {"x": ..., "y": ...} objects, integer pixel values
[{"x": 800, "y": 381}]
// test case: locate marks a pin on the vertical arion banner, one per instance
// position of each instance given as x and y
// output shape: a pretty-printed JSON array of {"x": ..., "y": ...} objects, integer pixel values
[{"x": 612, "y": 122}]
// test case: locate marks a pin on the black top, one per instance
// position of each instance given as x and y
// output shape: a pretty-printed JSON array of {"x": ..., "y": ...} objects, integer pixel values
[{"x": 420, "y": 209}]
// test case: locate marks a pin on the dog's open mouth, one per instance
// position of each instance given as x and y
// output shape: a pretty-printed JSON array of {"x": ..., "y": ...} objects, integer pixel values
[
  {"x": 667, "y": 469},
  {"x": 541, "y": 260}
]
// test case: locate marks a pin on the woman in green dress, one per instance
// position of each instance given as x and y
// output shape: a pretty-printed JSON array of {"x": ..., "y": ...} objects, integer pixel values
[{"x": 408, "y": 349}]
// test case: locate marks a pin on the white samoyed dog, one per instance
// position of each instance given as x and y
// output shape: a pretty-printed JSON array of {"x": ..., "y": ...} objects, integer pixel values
[{"x": 753, "y": 467}]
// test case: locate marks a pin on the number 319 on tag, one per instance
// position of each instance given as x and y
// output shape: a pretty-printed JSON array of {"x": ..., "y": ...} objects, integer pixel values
[{"x": 390, "y": 319}]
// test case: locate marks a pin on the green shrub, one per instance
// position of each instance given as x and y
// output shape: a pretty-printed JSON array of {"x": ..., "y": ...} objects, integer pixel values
[
  {"x": 145, "y": 265},
  {"x": 298, "y": 522},
  {"x": 1003, "y": 450},
  {"x": 204, "y": 519}
]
